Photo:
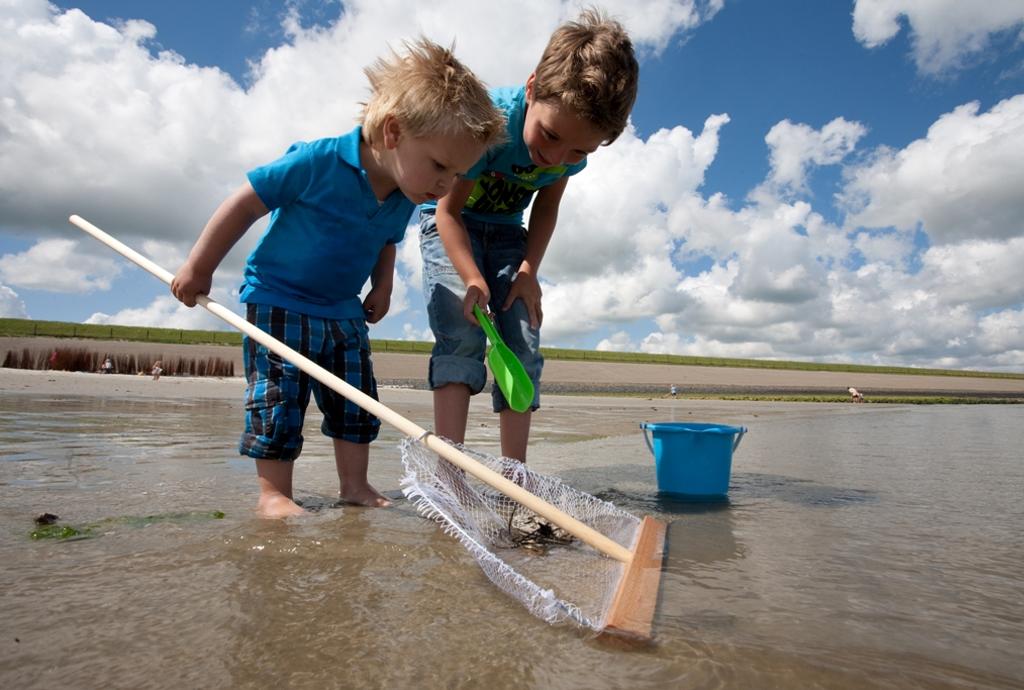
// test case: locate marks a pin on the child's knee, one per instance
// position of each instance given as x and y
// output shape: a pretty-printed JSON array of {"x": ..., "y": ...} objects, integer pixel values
[
  {"x": 273, "y": 422},
  {"x": 452, "y": 368},
  {"x": 357, "y": 429}
]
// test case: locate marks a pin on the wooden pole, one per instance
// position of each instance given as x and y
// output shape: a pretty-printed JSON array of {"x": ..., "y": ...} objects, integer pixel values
[{"x": 632, "y": 609}]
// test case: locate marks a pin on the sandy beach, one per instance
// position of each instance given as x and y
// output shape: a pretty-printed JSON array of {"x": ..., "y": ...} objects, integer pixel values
[
  {"x": 861, "y": 546},
  {"x": 410, "y": 370}
]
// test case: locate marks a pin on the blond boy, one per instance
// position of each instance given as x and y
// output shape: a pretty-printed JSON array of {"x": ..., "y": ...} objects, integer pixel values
[{"x": 339, "y": 206}]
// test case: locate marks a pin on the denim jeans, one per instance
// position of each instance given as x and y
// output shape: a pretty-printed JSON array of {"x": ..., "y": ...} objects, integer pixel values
[{"x": 459, "y": 346}]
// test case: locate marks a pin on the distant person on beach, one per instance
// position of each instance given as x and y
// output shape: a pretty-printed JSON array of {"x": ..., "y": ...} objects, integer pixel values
[
  {"x": 475, "y": 249},
  {"x": 855, "y": 395},
  {"x": 673, "y": 390},
  {"x": 107, "y": 367},
  {"x": 339, "y": 206},
  {"x": 158, "y": 368}
]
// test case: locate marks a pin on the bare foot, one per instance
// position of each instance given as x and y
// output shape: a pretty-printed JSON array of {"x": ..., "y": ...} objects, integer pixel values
[
  {"x": 364, "y": 495},
  {"x": 277, "y": 506}
]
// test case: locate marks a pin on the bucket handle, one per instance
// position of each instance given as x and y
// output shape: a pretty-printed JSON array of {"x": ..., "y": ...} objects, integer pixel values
[
  {"x": 735, "y": 444},
  {"x": 647, "y": 438},
  {"x": 739, "y": 437}
]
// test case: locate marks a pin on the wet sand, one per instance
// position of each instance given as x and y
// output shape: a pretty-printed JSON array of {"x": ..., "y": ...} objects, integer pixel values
[
  {"x": 862, "y": 546},
  {"x": 410, "y": 370}
]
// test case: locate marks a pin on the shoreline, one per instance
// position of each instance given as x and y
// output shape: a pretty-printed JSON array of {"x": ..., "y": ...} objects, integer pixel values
[{"x": 585, "y": 378}]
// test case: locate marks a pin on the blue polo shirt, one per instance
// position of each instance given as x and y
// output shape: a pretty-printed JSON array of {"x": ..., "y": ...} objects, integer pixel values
[
  {"x": 506, "y": 178},
  {"x": 326, "y": 230}
]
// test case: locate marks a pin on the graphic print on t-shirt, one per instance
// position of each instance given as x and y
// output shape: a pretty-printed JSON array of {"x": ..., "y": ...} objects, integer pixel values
[{"x": 508, "y": 194}]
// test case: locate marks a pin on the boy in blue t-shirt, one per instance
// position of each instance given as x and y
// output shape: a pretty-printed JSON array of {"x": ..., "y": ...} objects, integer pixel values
[
  {"x": 338, "y": 208},
  {"x": 475, "y": 250}
]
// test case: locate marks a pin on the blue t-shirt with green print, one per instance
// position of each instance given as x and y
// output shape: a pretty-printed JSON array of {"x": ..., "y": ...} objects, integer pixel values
[{"x": 506, "y": 178}]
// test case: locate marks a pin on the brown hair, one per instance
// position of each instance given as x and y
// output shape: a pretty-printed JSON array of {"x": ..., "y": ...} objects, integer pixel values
[
  {"x": 430, "y": 93},
  {"x": 589, "y": 67}
]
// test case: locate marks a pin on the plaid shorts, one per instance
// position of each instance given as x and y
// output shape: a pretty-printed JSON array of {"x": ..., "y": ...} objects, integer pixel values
[{"x": 278, "y": 392}]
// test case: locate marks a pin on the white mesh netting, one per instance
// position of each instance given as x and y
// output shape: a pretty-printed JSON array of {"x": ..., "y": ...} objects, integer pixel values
[{"x": 557, "y": 577}]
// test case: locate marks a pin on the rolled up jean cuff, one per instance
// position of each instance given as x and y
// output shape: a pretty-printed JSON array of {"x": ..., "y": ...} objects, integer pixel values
[{"x": 445, "y": 369}]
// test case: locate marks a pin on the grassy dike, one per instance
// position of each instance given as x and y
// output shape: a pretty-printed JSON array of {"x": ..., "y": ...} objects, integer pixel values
[
  {"x": 22, "y": 328},
  {"x": 28, "y": 328}
]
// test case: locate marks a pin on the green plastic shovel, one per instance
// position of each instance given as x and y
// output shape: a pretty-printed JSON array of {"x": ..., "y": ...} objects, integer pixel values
[{"x": 508, "y": 371}]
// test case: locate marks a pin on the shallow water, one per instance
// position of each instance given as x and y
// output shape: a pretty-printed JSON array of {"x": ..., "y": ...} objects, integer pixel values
[{"x": 862, "y": 546}]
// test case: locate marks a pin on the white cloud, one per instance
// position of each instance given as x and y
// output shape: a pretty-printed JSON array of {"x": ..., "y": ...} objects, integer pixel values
[
  {"x": 164, "y": 254},
  {"x": 655, "y": 22},
  {"x": 795, "y": 148},
  {"x": 778, "y": 280},
  {"x": 885, "y": 247},
  {"x": 1002, "y": 334},
  {"x": 982, "y": 275},
  {"x": 618, "y": 207},
  {"x": 94, "y": 124},
  {"x": 409, "y": 260},
  {"x": 963, "y": 180},
  {"x": 617, "y": 342},
  {"x": 11, "y": 306},
  {"x": 58, "y": 266},
  {"x": 944, "y": 32},
  {"x": 421, "y": 335},
  {"x": 166, "y": 312}
]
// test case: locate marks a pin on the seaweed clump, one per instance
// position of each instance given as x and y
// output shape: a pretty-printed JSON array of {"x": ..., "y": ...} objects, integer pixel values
[{"x": 47, "y": 527}]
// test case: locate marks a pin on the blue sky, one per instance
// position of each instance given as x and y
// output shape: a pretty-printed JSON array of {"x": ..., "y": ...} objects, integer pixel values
[{"x": 829, "y": 181}]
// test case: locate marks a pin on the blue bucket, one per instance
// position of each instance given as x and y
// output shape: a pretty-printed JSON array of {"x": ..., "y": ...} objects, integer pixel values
[{"x": 693, "y": 460}]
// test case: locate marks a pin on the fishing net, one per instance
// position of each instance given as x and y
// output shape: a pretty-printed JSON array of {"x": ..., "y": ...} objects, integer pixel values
[
  {"x": 555, "y": 577},
  {"x": 558, "y": 578}
]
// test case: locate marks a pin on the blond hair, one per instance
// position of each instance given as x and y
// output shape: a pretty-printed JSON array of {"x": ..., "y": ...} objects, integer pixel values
[
  {"x": 589, "y": 67},
  {"x": 430, "y": 93}
]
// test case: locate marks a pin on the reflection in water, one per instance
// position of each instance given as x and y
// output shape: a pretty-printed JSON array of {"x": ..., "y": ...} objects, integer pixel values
[
  {"x": 754, "y": 485},
  {"x": 704, "y": 537},
  {"x": 858, "y": 548}
]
